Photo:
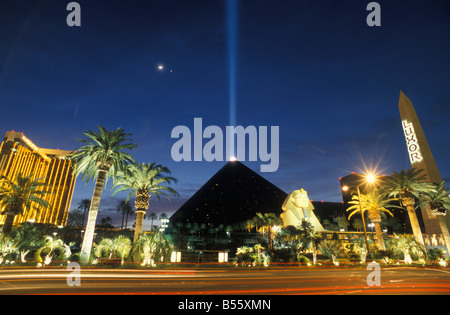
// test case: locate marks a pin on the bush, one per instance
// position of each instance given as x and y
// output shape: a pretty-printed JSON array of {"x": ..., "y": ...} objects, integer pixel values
[
  {"x": 52, "y": 248},
  {"x": 331, "y": 249},
  {"x": 152, "y": 248},
  {"x": 303, "y": 259},
  {"x": 252, "y": 255},
  {"x": 281, "y": 255},
  {"x": 435, "y": 254},
  {"x": 117, "y": 248}
]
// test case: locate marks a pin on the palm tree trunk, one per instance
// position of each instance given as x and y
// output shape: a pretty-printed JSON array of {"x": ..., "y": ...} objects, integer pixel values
[
  {"x": 7, "y": 226},
  {"x": 141, "y": 204},
  {"x": 445, "y": 233},
  {"x": 84, "y": 217},
  {"x": 314, "y": 252},
  {"x": 139, "y": 222},
  {"x": 92, "y": 216},
  {"x": 379, "y": 233},
  {"x": 270, "y": 237},
  {"x": 414, "y": 222}
]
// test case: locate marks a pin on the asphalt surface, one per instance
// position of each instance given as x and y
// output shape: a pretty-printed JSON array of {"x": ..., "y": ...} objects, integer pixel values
[{"x": 250, "y": 282}]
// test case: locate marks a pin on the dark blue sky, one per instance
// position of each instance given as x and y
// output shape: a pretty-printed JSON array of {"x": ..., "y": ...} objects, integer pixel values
[{"x": 313, "y": 68}]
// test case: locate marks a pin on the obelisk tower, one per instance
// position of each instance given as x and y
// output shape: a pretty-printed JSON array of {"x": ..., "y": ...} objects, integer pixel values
[{"x": 420, "y": 155}]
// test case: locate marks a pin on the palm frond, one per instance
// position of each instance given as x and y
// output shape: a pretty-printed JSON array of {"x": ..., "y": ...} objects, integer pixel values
[
  {"x": 103, "y": 149},
  {"x": 145, "y": 177}
]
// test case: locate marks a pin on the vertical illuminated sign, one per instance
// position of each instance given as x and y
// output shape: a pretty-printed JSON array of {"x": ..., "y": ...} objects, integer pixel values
[{"x": 412, "y": 144}]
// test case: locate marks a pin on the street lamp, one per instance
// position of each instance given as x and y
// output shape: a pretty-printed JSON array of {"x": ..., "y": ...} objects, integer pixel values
[{"x": 164, "y": 224}]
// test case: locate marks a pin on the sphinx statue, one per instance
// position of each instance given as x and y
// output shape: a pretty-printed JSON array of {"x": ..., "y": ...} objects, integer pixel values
[{"x": 298, "y": 207}]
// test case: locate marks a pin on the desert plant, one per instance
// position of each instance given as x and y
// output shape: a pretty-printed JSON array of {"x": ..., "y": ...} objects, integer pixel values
[
  {"x": 118, "y": 247},
  {"x": 408, "y": 247},
  {"x": 8, "y": 246},
  {"x": 150, "y": 248},
  {"x": 52, "y": 247},
  {"x": 331, "y": 249},
  {"x": 252, "y": 255}
]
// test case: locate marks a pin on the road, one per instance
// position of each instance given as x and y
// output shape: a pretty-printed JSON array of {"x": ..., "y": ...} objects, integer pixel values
[{"x": 279, "y": 281}]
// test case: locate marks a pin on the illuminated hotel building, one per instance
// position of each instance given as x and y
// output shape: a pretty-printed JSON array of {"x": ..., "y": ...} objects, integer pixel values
[{"x": 19, "y": 155}]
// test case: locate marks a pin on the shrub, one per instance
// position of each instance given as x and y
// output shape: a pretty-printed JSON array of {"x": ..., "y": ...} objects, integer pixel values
[
  {"x": 118, "y": 247},
  {"x": 252, "y": 255},
  {"x": 303, "y": 259},
  {"x": 150, "y": 248},
  {"x": 330, "y": 249},
  {"x": 52, "y": 247},
  {"x": 435, "y": 254}
]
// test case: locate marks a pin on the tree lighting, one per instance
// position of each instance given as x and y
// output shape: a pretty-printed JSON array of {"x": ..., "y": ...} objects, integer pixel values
[{"x": 369, "y": 178}]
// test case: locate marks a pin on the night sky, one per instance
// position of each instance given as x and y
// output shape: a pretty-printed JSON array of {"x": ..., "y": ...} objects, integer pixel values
[{"x": 314, "y": 68}]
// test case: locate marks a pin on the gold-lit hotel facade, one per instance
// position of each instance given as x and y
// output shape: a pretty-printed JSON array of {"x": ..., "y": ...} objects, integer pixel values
[{"x": 18, "y": 154}]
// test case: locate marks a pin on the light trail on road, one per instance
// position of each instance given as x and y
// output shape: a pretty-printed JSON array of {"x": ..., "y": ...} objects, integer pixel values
[{"x": 294, "y": 281}]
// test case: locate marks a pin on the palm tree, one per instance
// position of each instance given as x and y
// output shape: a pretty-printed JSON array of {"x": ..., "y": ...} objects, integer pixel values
[
  {"x": 124, "y": 207},
  {"x": 258, "y": 247},
  {"x": 267, "y": 221},
  {"x": 439, "y": 202},
  {"x": 408, "y": 185},
  {"x": 163, "y": 216},
  {"x": 250, "y": 224},
  {"x": 22, "y": 194},
  {"x": 376, "y": 205},
  {"x": 357, "y": 224},
  {"x": 84, "y": 205},
  {"x": 142, "y": 180},
  {"x": 102, "y": 157},
  {"x": 152, "y": 217},
  {"x": 310, "y": 236}
]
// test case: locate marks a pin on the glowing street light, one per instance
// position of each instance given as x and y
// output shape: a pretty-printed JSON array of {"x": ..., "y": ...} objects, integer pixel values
[
  {"x": 368, "y": 179},
  {"x": 371, "y": 178},
  {"x": 164, "y": 225}
]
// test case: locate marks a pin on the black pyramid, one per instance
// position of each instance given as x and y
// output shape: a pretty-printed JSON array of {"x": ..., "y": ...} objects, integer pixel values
[{"x": 233, "y": 195}]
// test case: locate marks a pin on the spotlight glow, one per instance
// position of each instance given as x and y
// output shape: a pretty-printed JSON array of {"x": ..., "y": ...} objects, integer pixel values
[
  {"x": 232, "y": 30},
  {"x": 370, "y": 178}
]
